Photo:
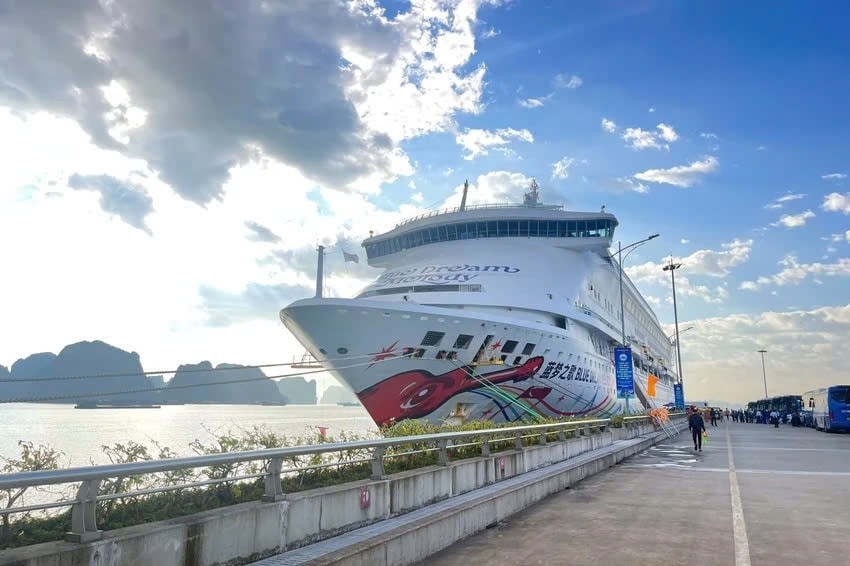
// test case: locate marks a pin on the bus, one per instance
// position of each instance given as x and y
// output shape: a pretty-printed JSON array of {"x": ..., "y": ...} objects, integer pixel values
[
  {"x": 785, "y": 404},
  {"x": 830, "y": 407}
]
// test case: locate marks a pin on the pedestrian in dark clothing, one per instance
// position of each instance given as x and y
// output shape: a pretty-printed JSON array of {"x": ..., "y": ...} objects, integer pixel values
[
  {"x": 697, "y": 426},
  {"x": 713, "y": 417}
]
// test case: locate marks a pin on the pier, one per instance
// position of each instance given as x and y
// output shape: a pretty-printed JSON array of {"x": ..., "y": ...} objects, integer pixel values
[
  {"x": 572, "y": 493},
  {"x": 755, "y": 495}
]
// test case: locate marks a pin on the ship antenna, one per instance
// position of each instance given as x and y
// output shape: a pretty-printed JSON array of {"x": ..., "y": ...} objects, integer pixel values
[
  {"x": 463, "y": 199},
  {"x": 531, "y": 198}
]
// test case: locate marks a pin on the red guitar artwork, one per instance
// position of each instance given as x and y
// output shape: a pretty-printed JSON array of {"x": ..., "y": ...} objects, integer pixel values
[{"x": 416, "y": 393}]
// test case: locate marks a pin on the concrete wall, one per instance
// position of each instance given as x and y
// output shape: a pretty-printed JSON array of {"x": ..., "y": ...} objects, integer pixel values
[{"x": 245, "y": 532}]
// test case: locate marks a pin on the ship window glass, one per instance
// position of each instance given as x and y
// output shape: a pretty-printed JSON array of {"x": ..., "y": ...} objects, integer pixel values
[
  {"x": 522, "y": 229},
  {"x": 509, "y": 346},
  {"x": 432, "y": 338},
  {"x": 529, "y": 348},
  {"x": 517, "y": 360},
  {"x": 463, "y": 341},
  {"x": 493, "y": 229}
]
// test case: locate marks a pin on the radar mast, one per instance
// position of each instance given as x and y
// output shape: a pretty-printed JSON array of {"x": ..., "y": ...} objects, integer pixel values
[{"x": 532, "y": 197}]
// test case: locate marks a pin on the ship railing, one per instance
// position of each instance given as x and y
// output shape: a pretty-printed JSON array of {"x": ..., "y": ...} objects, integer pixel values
[
  {"x": 477, "y": 207},
  {"x": 593, "y": 314},
  {"x": 275, "y": 464}
]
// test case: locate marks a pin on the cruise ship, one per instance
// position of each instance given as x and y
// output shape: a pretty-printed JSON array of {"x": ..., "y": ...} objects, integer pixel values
[{"x": 498, "y": 312}]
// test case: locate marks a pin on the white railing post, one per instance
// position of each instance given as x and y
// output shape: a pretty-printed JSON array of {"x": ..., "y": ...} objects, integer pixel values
[
  {"x": 518, "y": 440},
  {"x": 84, "y": 514},
  {"x": 443, "y": 454},
  {"x": 485, "y": 445},
  {"x": 274, "y": 491},
  {"x": 378, "y": 463}
]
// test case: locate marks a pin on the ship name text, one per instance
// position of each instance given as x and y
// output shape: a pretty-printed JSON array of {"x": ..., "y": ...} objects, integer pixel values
[{"x": 440, "y": 274}]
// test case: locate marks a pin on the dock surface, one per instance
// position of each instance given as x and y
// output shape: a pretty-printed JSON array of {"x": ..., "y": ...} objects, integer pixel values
[{"x": 756, "y": 495}]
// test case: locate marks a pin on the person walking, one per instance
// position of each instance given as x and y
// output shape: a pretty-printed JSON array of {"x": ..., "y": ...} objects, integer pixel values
[{"x": 697, "y": 426}]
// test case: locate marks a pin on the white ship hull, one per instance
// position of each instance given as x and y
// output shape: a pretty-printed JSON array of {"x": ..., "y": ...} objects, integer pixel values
[
  {"x": 491, "y": 312},
  {"x": 363, "y": 344}
]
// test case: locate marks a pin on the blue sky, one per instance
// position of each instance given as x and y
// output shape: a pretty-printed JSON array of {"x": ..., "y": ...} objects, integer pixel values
[{"x": 165, "y": 186}]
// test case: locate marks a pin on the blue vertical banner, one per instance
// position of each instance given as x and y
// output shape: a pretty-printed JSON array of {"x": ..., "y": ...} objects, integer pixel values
[
  {"x": 679, "y": 396},
  {"x": 625, "y": 372}
]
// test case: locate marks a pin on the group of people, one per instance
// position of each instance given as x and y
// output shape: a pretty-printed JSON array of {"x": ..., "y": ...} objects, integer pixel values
[{"x": 697, "y": 418}]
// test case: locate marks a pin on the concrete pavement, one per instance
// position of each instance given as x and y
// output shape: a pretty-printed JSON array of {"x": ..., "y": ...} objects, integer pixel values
[{"x": 756, "y": 495}]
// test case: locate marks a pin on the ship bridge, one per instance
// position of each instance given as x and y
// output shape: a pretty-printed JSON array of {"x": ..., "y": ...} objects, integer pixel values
[{"x": 530, "y": 219}]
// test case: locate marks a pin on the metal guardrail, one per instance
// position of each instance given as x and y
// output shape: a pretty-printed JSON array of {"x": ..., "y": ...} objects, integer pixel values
[{"x": 84, "y": 505}]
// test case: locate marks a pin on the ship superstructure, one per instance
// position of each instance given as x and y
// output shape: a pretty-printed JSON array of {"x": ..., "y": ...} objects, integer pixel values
[{"x": 489, "y": 312}]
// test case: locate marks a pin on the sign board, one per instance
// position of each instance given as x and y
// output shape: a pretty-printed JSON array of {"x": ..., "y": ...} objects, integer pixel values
[
  {"x": 625, "y": 372},
  {"x": 679, "y": 396},
  {"x": 365, "y": 497}
]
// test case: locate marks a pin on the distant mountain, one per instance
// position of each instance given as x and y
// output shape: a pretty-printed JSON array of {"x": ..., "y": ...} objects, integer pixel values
[
  {"x": 253, "y": 387},
  {"x": 83, "y": 360},
  {"x": 73, "y": 362},
  {"x": 337, "y": 394},
  {"x": 297, "y": 390}
]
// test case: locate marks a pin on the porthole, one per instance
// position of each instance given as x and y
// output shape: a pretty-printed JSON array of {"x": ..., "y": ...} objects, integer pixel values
[{"x": 342, "y": 351}]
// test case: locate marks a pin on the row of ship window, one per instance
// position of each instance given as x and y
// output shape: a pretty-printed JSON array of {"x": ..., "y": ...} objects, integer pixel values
[{"x": 601, "y": 228}]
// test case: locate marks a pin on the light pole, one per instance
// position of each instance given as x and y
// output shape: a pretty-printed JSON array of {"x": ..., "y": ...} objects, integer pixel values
[
  {"x": 672, "y": 267},
  {"x": 763, "y": 373},
  {"x": 620, "y": 249}
]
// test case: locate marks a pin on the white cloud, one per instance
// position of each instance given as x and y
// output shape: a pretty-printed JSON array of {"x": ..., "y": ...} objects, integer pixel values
[
  {"x": 794, "y": 272},
  {"x": 708, "y": 135},
  {"x": 477, "y": 142},
  {"x": 609, "y": 125},
  {"x": 533, "y": 102},
  {"x": 804, "y": 352},
  {"x": 652, "y": 110},
  {"x": 837, "y": 237},
  {"x": 667, "y": 133},
  {"x": 779, "y": 202},
  {"x": 571, "y": 82},
  {"x": 684, "y": 241},
  {"x": 561, "y": 168},
  {"x": 834, "y": 176},
  {"x": 682, "y": 175},
  {"x": 761, "y": 148},
  {"x": 836, "y": 202},
  {"x": 311, "y": 99},
  {"x": 794, "y": 220},
  {"x": 631, "y": 185},
  {"x": 707, "y": 263},
  {"x": 493, "y": 187},
  {"x": 335, "y": 97},
  {"x": 637, "y": 138},
  {"x": 491, "y": 33}
]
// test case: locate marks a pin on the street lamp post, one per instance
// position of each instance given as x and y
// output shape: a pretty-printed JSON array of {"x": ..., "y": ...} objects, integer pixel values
[
  {"x": 763, "y": 373},
  {"x": 672, "y": 267},
  {"x": 620, "y": 249}
]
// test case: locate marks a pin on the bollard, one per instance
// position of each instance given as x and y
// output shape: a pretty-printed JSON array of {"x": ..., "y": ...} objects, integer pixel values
[{"x": 485, "y": 445}]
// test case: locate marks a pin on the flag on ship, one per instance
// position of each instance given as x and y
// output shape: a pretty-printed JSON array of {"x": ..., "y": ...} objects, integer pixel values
[{"x": 351, "y": 257}]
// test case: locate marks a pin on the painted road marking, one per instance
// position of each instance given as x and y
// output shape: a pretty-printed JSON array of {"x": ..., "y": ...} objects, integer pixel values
[{"x": 739, "y": 527}]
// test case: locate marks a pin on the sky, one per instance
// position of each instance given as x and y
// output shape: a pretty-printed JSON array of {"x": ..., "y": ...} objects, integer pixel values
[{"x": 169, "y": 167}]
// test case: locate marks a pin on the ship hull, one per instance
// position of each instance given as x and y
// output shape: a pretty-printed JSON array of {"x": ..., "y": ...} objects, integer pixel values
[{"x": 410, "y": 361}]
